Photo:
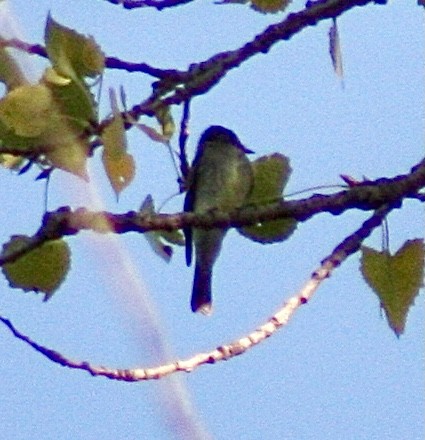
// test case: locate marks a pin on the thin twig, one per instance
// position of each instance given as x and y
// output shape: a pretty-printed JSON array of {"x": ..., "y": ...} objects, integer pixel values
[
  {"x": 156, "y": 4},
  {"x": 110, "y": 62}
]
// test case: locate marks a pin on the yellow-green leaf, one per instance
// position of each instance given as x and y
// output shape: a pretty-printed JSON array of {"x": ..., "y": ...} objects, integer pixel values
[
  {"x": 27, "y": 110},
  {"x": 50, "y": 117},
  {"x": 11, "y": 162},
  {"x": 156, "y": 238},
  {"x": 10, "y": 72},
  {"x": 271, "y": 231},
  {"x": 173, "y": 237},
  {"x": 114, "y": 138},
  {"x": 12, "y": 76},
  {"x": 164, "y": 117},
  {"x": 70, "y": 154},
  {"x": 271, "y": 174},
  {"x": 8, "y": 138},
  {"x": 396, "y": 279},
  {"x": 73, "y": 100},
  {"x": 72, "y": 54},
  {"x": 119, "y": 165},
  {"x": 41, "y": 270},
  {"x": 120, "y": 170},
  {"x": 269, "y": 6}
]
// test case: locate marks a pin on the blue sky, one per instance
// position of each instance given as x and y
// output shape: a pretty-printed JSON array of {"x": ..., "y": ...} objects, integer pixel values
[{"x": 337, "y": 371}]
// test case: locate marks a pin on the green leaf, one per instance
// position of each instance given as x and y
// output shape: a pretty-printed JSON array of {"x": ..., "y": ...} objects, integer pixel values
[
  {"x": 156, "y": 238},
  {"x": 9, "y": 138},
  {"x": 12, "y": 76},
  {"x": 270, "y": 232},
  {"x": 12, "y": 162},
  {"x": 270, "y": 6},
  {"x": 10, "y": 72},
  {"x": 263, "y": 6},
  {"x": 114, "y": 139},
  {"x": 71, "y": 54},
  {"x": 164, "y": 117},
  {"x": 41, "y": 270},
  {"x": 271, "y": 174},
  {"x": 120, "y": 170},
  {"x": 73, "y": 100},
  {"x": 34, "y": 116},
  {"x": 70, "y": 154},
  {"x": 396, "y": 279},
  {"x": 119, "y": 165},
  {"x": 173, "y": 237},
  {"x": 27, "y": 110}
]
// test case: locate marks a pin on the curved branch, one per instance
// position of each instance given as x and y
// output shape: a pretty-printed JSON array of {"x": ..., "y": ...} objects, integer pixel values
[{"x": 227, "y": 351}]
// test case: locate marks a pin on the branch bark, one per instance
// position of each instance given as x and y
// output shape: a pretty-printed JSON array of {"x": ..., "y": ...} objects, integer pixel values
[
  {"x": 226, "y": 351},
  {"x": 366, "y": 196}
]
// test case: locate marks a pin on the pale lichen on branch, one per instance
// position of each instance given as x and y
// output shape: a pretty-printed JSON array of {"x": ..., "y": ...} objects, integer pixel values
[{"x": 226, "y": 351}]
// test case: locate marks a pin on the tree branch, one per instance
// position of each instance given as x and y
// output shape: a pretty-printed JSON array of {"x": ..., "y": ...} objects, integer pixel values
[
  {"x": 201, "y": 77},
  {"x": 366, "y": 196},
  {"x": 227, "y": 351},
  {"x": 110, "y": 62},
  {"x": 175, "y": 87}
]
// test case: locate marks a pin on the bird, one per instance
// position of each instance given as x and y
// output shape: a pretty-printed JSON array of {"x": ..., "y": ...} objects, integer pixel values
[{"x": 221, "y": 178}]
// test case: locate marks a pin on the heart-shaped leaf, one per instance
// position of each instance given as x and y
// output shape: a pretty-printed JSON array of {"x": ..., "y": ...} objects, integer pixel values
[
  {"x": 396, "y": 279},
  {"x": 41, "y": 270},
  {"x": 271, "y": 174}
]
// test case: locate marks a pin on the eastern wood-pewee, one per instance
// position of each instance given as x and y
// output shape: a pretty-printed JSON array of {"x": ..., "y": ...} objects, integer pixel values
[{"x": 221, "y": 178}]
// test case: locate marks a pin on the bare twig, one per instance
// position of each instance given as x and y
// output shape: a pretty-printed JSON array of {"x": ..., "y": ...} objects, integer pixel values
[
  {"x": 157, "y": 4},
  {"x": 110, "y": 62}
]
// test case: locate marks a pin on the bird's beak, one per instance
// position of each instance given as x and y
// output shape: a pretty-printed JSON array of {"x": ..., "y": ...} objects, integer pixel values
[{"x": 246, "y": 150}]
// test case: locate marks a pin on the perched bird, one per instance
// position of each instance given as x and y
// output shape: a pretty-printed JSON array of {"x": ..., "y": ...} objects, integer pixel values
[{"x": 221, "y": 178}]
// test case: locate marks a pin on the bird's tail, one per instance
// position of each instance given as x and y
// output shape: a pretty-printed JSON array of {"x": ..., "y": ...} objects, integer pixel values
[{"x": 201, "y": 294}]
